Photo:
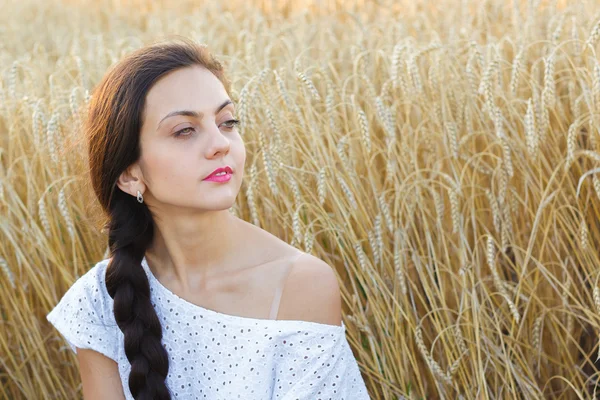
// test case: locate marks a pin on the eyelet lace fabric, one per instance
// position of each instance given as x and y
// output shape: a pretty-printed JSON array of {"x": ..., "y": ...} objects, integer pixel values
[{"x": 214, "y": 355}]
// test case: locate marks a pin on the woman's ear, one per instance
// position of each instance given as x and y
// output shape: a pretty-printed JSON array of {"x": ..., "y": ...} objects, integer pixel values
[{"x": 130, "y": 181}]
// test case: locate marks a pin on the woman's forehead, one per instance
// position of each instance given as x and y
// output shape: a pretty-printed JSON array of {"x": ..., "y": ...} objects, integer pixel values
[{"x": 190, "y": 88}]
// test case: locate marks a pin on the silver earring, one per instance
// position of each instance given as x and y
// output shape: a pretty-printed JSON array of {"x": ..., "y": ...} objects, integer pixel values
[{"x": 140, "y": 198}]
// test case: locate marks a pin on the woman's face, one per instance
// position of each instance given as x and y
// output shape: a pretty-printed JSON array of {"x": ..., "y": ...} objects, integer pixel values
[{"x": 179, "y": 150}]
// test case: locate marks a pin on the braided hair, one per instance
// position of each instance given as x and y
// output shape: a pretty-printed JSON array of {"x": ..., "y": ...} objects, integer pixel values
[{"x": 112, "y": 128}]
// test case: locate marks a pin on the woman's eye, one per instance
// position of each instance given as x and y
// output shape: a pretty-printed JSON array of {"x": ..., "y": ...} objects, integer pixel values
[
  {"x": 231, "y": 123},
  {"x": 179, "y": 133}
]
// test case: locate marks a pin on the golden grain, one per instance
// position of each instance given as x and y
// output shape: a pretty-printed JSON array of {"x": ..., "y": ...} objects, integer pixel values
[
  {"x": 474, "y": 49},
  {"x": 454, "y": 209},
  {"x": 452, "y": 135},
  {"x": 384, "y": 116},
  {"x": 594, "y": 36},
  {"x": 531, "y": 134},
  {"x": 385, "y": 210},
  {"x": 398, "y": 269},
  {"x": 378, "y": 236},
  {"x": 516, "y": 70},
  {"x": 506, "y": 153},
  {"x": 243, "y": 109},
  {"x": 250, "y": 195},
  {"x": 433, "y": 365},
  {"x": 548, "y": 94},
  {"x": 369, "y": 87},
  {"x": 571, "y": 143},
  {"x": 486, "y": 88},
  {"x": 374, "y": 247},
  {"x": 321, "y": 190},
  {"x": 495, "y": 209},
  {"x": 470, "y": 72},
  {"x": 51, "y": 136},
  {"x": 309, "y": 240},
  {"x": 414, "y": 74},
  {"x": 266, "y": 157},
  {"x": 12, "y": 79},
  {"x": 364, "y": 129},
  {"x": 558, "y": 31},
  {"x": 596, "y": 87},
  {"x": 296, "y": 228},
  {"x": 347, "y": 192},
  {"x": 309, "y": 85},
  {"x": 460, "y": 340},
  {"x": 43, "y": 216},
  {"x": 64, "y": 211},
  {"x": 438, "y": 201},
  {"x": 583, "y": 235},
  {"x": 396, "y": 54},
  {"x": 7, "y": 272},
  {"x": 596, "y": 184},
  {"x": 295, "y": 191},
  {"x": 362, "y": 262},
  {"x": 38, "y": 124},
  {"x": 283, "y": 91},
  {"x": 491, "y": 256},
  {"x": 536, "y": 333},
  {"x": 329, "y": 99},
  {"x": 575, "y": 36}
]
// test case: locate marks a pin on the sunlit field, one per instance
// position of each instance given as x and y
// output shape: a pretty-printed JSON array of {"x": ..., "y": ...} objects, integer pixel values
[{"x": 439, "y": 155}]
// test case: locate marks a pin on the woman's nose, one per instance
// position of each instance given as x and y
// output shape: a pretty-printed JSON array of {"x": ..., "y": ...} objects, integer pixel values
[{"x": 219, "y": 144}]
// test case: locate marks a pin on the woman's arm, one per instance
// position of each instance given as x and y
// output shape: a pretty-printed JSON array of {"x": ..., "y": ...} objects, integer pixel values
[{"x": 99, "y": 376}]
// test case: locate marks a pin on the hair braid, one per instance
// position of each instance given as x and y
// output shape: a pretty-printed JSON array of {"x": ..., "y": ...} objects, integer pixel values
[{"x": 130, "y": 233}]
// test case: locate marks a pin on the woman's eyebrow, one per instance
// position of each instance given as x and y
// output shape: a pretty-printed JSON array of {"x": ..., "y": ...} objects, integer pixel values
[{"x": 190, "y": 113}]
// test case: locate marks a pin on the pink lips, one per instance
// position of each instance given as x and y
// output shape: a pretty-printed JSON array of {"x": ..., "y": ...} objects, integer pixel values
[{"x": 220, "y": 178}]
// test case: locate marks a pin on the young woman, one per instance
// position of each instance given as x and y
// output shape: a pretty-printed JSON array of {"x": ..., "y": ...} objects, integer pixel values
[{"x": 193, "y": 303}]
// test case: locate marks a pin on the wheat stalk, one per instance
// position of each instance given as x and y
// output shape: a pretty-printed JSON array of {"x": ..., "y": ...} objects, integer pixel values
[
  {"x": 64, "y": 211},
  {"x": 309, "y": 240},
  {"x": 398, "y": 269},
  {"x": 486, "y": 87},
  {"x": 266, "y": 157},
  {"x": 454, "y": 209},
  {"x": 250, "y": 195},
  {"x": 347, "y": 191},
  {"x": 571, "y": 143},
  {"x": 385, "y": 210},
  {"x": 321, "y": 191},
  {"x": 439, "y": 205},
  {"x": 594, "y": 36},
  {"x": 531, "y": 134},
  {"x": 491, "y": 256},
  {"x": 583, "y": 235},
  {"x": 309, "y": 85},
  {"x": 433, "y": 365},
  {"x": 51, "y": 133},
  {"x": 374, "y": 247},
  {"x": 470, "y": 72},
  {"x": 7, "y": 271},
  {"x": 548, "y": 94},
  {"x": 495, "y": 209},
  {"x": 516, "y": 70}
]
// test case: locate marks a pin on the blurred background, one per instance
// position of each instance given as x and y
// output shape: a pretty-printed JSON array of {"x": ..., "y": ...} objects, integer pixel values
[{"x": 440, "y": 155}]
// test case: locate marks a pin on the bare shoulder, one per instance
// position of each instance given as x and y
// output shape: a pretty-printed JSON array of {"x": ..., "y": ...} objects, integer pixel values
[{"x": 311, "y": 292}]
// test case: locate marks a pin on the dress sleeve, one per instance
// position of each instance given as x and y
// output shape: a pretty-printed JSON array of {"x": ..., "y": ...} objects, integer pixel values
[
  {"x": 317, "y": 365},
  {"x": 83, "y": 316}
]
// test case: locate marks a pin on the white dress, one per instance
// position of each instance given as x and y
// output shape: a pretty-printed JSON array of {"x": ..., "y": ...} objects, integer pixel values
[{"x": 214, "y": 355}]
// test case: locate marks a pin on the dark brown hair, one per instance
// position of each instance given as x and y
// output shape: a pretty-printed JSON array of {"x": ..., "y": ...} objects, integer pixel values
[{"x": 113, "y": 124}]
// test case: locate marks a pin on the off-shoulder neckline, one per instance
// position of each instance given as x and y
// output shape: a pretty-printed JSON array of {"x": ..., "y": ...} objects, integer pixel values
[{"x": 230, "y": 318}]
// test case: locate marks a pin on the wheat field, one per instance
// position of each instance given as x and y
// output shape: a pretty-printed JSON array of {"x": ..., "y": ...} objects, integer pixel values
[{"x": 441, "y": 156}]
